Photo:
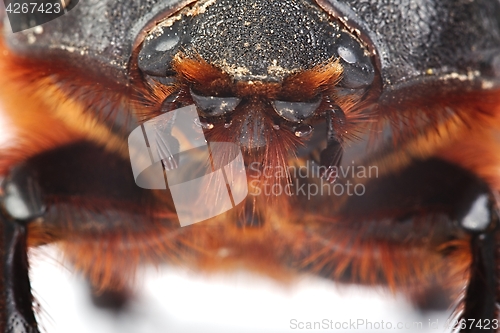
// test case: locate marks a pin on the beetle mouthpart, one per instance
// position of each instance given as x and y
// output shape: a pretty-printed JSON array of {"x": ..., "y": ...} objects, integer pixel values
[
  {"x": 212, "y": 106},
  {"x": 330, "y": 159},
  {"x": 331, "y": 156},
  {"x": 296, "y": 112},
  {"x": 204, "y": 124},
  {"x": 303, "y": 131},
  {"x": 172, "y": 102},
  {"x": 228, "y": 122},
  {"x": 253, "y": 132}
]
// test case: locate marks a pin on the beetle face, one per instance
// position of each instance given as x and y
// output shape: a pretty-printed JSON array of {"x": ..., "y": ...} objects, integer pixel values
[
  {"x": 258, "y": 72},
  {"x": 289, "y": 83}
]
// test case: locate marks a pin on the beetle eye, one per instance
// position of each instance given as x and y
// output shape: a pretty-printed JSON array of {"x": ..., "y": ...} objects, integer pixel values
[
  {"x": 215, "y": 106},
  {"x": 296, "y": 111},
  {"x": 159, "y": 48},
  {"x": 358, "y": 68}
]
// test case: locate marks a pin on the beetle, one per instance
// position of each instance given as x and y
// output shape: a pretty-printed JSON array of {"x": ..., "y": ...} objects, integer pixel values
[{"x": 409, "y": 90}]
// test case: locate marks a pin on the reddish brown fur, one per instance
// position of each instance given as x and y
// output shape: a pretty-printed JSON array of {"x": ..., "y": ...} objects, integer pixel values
[
  {"x": 452, "y": 121},
  {"x": 206, "y": 79},
  {"x": 306, "y": 85}
]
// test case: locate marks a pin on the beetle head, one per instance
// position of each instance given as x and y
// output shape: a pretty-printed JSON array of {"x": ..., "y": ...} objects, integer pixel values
[{"x": 256, "y": 66}]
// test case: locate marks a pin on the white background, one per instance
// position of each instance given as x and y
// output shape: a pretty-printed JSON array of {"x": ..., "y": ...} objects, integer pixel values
[{"x": 180, "y": 301}]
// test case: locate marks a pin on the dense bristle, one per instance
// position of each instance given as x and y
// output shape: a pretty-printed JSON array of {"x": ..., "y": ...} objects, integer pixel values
[
  {"x": 306, "y": 85},
  {"x": 459, "y": 127},
  {"x": 53, "y": 106},
  {"x": 205, "y": 78}
]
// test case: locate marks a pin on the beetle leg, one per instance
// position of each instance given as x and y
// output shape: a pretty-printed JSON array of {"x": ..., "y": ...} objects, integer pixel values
[
  {"x": 410, "y": 236},
  {"x": 331, "y": 156},
  {"x": 20, "y": 202},
  {"x": 16, "y": 299},
  {"x": 481, "y": 221}
]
